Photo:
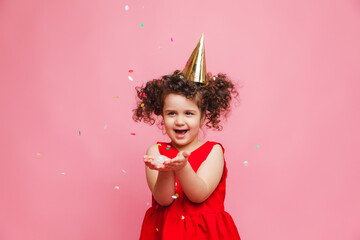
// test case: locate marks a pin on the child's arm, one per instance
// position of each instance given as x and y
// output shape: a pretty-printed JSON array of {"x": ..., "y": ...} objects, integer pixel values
[
  {"x": 161, "y": 183},
  {"x": 200, "y": 185}
]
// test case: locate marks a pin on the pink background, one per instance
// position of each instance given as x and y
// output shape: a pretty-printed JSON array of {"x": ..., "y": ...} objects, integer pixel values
[{"x": 62, "y": 64}]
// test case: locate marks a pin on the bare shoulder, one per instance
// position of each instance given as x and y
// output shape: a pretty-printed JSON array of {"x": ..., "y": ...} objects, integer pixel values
[
  {"x": 153, "y": 150},
  {"x": 217, "y": 149}
]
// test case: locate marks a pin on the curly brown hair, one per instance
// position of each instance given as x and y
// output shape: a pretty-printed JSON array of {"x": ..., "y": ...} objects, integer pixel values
[{"x": 213, "y": 98}]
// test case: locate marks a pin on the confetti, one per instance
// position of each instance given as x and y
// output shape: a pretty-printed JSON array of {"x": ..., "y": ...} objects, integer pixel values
[
  {"x": 159, "y": 144},
  {"x": 257, "y": 146},
  {"x": 141, "y": 24},
  {"x": 132, "y": 133},
  {"x": 187, "y": 63},
  {"x": 202, "y": 101},
  {"x": 182, "y": 217},
  {"x": 142, "y": 105},
  {"x": 117, "y": 187},
  {"x": 214, "y": 78},
  {"x": 38, "y": 154},
  {"x": 63, "y": 173},
  {"x": 175, "y": 196},
  {"x": 160, "y": 159},
  {"x": 79, "y": 133},
  {"x": 143, "y": 95},
  {"x": 116, "y": 97},
  {"x": 130, "y": 78},
  {"x": 168, "y": 145},
  {"x": 172, "y": 39},
  {"x": 157, "y": 229},
  {"x": 147, "y": 204},
  {"x": 245, "y": 163},
  {"x": 181, "y": 77},
  {"x": 130, "y": 71},
  {"x": 126, "y": 8},
  {"x": 123, "y": 170},
  {"x": 156, "y": 206},
  {"x": 105, "y": 127},
  {"x": 167, "y": 148}
]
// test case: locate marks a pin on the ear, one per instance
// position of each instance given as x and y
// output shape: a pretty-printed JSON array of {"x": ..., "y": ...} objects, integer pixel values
[{"x": 202, "y": 119}]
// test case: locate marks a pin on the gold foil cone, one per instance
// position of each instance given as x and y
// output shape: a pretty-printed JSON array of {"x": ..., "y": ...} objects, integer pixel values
[{"x": 195, "y": 68}]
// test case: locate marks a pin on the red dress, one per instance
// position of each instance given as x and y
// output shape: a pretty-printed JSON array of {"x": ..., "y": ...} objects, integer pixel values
[{"x": 184, "y": 219}]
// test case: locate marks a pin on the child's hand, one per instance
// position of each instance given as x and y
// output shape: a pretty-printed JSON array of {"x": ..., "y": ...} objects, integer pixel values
[
  {"x": 156, "y": 162},
  {"x": 178, "y": 162},
  {"x": 163, "y": 163}
]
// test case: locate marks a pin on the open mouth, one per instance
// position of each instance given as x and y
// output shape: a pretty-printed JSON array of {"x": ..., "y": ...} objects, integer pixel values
[{"x": 181, "y": 132}]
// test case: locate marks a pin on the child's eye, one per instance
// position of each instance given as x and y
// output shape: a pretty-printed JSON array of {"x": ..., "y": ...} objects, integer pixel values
[
  {"x": 171, "y": 113},
  {"x": 189, "y": 113}
]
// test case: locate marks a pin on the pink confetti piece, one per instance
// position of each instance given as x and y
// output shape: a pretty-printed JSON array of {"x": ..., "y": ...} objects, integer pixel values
[
  {"x": 187, "y": 63},
  {"x": 172, "y": 39},
  {"x": 132, "y": 133},
  {"x": 130, "y": 71},
  {"x": 143, "y": 95}
]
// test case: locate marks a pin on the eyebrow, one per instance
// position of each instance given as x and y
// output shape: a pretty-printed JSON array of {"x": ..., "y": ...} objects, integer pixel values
[{"x": 187, "y": 110}]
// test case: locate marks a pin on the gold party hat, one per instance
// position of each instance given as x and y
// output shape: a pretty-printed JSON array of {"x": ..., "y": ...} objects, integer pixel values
[{"x": 195, "y": 69}]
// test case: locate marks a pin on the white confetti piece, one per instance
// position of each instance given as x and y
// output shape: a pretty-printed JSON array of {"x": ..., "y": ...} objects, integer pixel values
[
  {"x": 160, "y": 159},
  {"x": 175, "y": 196},
  {"x": 123, "y": 170},
  {"x": 182, "y": 217},
  {"x": 126, "y": 8},
  {"x": 63, "y": 173},
  {"x": 105, "y": 127},
  {"x": 147, "y": 204},
  {"x": 245, "y": 163},
  {"x": 117, "y": 187},
  {"x": 130, "y": 78}
]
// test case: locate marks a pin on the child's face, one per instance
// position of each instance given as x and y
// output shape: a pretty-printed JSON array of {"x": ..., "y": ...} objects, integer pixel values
[{"x": 182, "y": 120}]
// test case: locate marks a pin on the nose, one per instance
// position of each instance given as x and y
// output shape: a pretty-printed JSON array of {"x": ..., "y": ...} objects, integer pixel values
[{"x": 179, "y": 120}]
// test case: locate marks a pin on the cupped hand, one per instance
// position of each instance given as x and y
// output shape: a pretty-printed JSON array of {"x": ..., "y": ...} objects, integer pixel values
[
  {"x": 178, "y": 162},
  {"x": 163, "y": 163}
]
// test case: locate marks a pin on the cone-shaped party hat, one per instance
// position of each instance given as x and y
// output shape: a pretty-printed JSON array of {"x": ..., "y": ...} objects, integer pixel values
[{"x": 195, "y": 68}]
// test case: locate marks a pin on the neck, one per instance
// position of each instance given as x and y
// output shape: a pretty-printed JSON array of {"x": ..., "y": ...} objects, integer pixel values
[{"x": 189, "y": 147}]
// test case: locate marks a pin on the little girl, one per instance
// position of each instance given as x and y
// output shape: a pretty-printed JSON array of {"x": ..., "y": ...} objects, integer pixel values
[{"x": 186, "y": 176}]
